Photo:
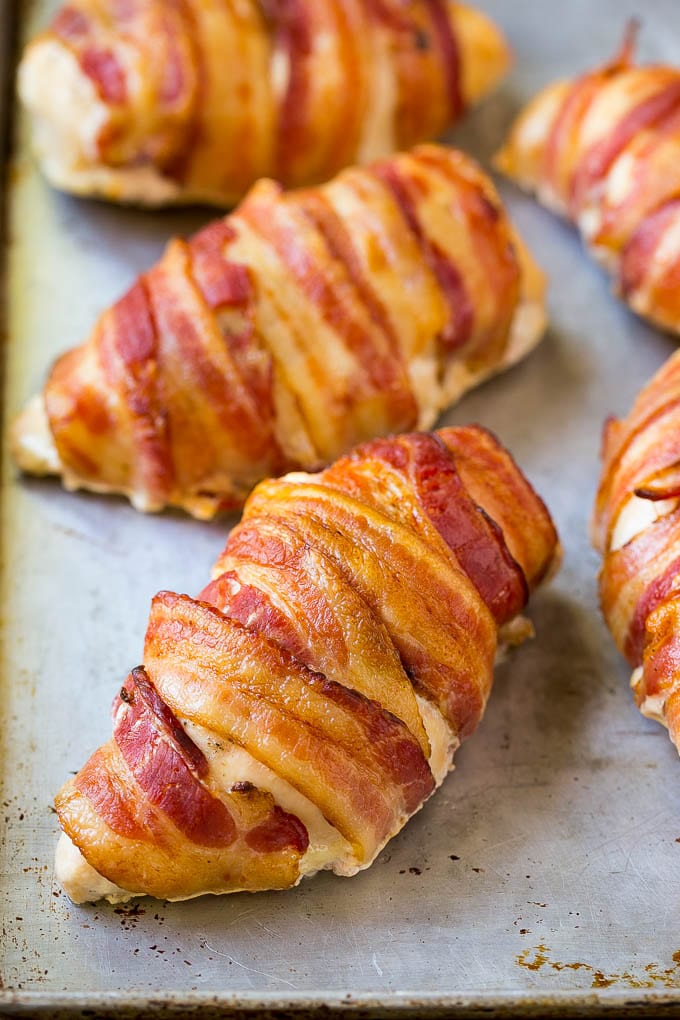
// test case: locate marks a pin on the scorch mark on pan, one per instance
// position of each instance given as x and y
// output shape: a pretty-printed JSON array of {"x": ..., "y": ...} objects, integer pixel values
[{"x": 653, "y": 975}]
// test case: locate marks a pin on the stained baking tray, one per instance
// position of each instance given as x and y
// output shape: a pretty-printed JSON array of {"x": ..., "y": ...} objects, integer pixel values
[{"x": 542, "y": 879}]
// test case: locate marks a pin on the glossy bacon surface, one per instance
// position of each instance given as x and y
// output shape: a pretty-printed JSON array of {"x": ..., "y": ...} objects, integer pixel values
[
  {"x": 604, "y": 150},
  {"x": 636, "y": 527},
  {"x": 197, "y": 99},
  {"x": 292, "y": 329},
  {"x": 342, "y": 651}
]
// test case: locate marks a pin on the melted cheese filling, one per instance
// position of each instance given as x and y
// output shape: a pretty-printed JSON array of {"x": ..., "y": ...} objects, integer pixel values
[{"x": 636, "y": 515}]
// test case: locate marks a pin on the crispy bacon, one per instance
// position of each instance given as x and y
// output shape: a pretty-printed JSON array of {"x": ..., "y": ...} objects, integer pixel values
[
  {"x": 435, "y": 609},
  {"x": 640, "y": 578},
  {"x": 475, "y": 539},
  {"x": 297, "y": 246},
  {"x": 635, "y": 578},
  {"x": 592, "y": 166},
  {"x": 282, "y": 335},
  {"x": 133, "y": 368},
  {"x": 224, "y": 284},
  {"x": 317, "y": 615},
  {"x": 647, "y": 248},
  {"x": 336, "y": 599},
  {"x": 316, "y": 206},
  {"x": 563, "y": 133},
  {"x": 651, "y": 447},
  {"x": 661, "y": 675},
  {"x": 639, "y": 252},
  {"x": 254, "y": 609},
  {"x": 393, "y": 15},
  {"x": 447, "y": 43},
  {"x": 99, "y": 61},
  {"x": 167, "y": 765},
  {"x": 494, "y": 482},
  {"x": 107, "y": 794},
  {"x": 292, "y": 21},
  {"x": 173, "y": 81},
  {"x": 479, "y": 210},
  {"x": 459, "y": 324},
  {"x": 604, "y": 149},
  {"x": 214, "y": 96},
  {"x": 651, "y": 186},
  {"x": 141, "y": 849},
  {"x": 103, "y": 68}
]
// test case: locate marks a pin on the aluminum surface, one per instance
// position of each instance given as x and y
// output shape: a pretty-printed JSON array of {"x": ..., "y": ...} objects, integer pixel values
[{"x": 545, "y": 869}]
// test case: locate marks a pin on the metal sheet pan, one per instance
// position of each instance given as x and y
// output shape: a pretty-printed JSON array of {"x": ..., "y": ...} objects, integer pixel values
[{"x": 542, "y": 878}]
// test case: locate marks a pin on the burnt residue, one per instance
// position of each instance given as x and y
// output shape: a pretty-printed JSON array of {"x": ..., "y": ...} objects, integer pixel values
[
  {"x": 129, "y": 910},
  {"x": 130, "y": 915},
  {"x": 652, "y": 975},
  {"x": 242, "y": 787}
]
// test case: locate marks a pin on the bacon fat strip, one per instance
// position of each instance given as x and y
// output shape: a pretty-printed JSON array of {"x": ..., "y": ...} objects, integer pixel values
[
  {"x": 295, "y": 715},
  {"x": 636, "y": 528},
  {"x": 603, "y": 150},
  {"x": 282, "y": 335},
  {"x": 159, "y": 103}
]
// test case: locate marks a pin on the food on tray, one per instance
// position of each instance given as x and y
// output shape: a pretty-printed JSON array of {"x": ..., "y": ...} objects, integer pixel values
[
  {"x": 604, "y": 151},
  {"x": 296, "y": 714},
  {"x": 160, "y": 102},
  {"x": 636, "y": 527},
  {"x": 284, "y": 334}
]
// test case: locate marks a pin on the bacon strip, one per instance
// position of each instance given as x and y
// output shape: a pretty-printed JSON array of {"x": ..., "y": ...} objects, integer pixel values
[
  {"x": 274, "y": 581},
  {"x": 297, "y": 246},
  {"x": 316, "y": 205},
  {"x": 342, "y": 603},
  {"x": 457, "y": 330},
  {"x": 494, "y": 482},
  {"x": 429, "y": 471},
  {"x": 656, "y": 692},
  {"x": 652, "y": 156},
  {"x": 640, "y": 576},
  {"x": 450, "y": 53},
  {"x": 105, "y": 71},
  {"x": 597, "y": 161},
  {"x": 223, "y": 284},
  {"x": 458, "y": 676},
  {"x": 636, "y": 578},
  {"x": 604, "y": 150},
  {"x": 167, "y": 765}
]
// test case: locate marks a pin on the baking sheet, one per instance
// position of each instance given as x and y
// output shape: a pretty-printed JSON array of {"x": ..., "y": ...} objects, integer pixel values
[{"x": 542, "y": 877}]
